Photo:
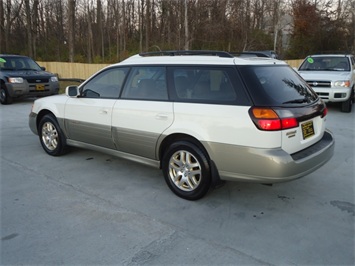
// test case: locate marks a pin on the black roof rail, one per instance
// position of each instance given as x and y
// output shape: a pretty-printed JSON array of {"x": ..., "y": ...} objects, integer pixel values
[
  {"x": 188, "y": 52},
  {"x": 256, "y": 54}
]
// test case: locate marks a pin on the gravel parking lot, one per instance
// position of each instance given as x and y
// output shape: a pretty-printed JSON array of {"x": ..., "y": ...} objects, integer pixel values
[{"x": 91, "y": 208}]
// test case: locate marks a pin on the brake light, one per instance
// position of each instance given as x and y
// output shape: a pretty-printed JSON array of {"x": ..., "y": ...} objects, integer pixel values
[
  {"x": 325, "y": 112},
  {"x": 267, "y": 119}
]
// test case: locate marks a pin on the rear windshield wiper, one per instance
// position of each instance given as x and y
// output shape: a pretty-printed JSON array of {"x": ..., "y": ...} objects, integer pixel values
[{"x": 303, "y": 100}]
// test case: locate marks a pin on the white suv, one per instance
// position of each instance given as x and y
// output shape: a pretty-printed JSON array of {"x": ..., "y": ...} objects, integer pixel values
[
  {"x": 200, "y": 116},
  {"x": 332, "y": 77}
]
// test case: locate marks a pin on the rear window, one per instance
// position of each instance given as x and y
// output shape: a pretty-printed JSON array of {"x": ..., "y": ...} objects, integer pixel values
[{"x": 276, "y": 86}]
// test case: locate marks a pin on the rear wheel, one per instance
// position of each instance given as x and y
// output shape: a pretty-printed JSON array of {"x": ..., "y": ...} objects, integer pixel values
[
  {"x": 186, "y": 170},
  {"x": 51, "y": 136},
  {"x": 5, "y": 98}
]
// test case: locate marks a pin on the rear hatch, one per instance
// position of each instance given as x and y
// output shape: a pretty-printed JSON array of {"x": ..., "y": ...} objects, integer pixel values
[{"x": 284, "y": 102}]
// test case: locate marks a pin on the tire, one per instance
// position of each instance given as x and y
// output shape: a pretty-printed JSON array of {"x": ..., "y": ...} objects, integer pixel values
[
  {"x": 51, "y": 136},
  {"x": 5, "y": 98},
  {"x": 347, "y": 105},
  {"x": 186, "y": 170}
]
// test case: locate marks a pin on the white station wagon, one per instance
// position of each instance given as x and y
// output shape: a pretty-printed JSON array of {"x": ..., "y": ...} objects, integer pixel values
[{"x": 201, "y": 116}]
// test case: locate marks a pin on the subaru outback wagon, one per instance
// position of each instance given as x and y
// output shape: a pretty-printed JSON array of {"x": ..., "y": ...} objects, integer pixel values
[
  {"x": 21, "y": 76},
  {"x": 200, "y": 116}
]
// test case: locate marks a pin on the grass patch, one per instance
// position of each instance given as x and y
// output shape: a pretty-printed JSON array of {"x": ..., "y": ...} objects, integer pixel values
[{"x": 64, "y": 84}]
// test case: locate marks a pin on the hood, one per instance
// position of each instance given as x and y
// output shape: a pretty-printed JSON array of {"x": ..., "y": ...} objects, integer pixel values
[
  {"x": 27, "y": 73},
  {"x": 325, "y": 75}
]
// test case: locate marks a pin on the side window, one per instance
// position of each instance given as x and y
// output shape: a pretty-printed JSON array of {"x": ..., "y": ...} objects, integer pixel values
[
  {"x": 203, "y": 84},
  {"x": 107, "y": 84},
  {"x": 146, "y": 83}
]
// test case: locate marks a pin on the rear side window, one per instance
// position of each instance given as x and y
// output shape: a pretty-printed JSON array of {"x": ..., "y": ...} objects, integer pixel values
[
  {"x": 205, "y": 84},
  {"x": 276, "y": 86},
  {"x": 146, "y": 83}
]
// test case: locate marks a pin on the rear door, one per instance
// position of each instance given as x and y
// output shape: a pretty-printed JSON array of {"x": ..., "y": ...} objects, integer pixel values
[{"x": 143, "y": 112}]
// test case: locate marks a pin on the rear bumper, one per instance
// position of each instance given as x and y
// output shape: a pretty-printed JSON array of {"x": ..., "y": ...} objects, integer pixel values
[{"x": 270, "y": 165}]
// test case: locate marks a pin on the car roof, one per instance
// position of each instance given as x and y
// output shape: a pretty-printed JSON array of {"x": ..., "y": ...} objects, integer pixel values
[
  {"x": 13, "y": 55},
  {"x": 197, "y": 58},
  {"x": 330, "y": 55}
]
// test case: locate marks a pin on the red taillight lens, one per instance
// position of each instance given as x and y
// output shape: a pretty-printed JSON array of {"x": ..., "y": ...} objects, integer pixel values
[
  {"x": 266, "y": 124},
  {"x": 267, "y": 119},
  {"x": 289, "y": 123},
  {"x": 325, "y": 112}
]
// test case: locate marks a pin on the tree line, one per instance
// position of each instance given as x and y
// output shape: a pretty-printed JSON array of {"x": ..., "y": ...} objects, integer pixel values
[{"x": 105, "y": 31}]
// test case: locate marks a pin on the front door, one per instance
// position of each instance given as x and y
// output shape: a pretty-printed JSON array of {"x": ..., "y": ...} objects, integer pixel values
[{"x": 88, "y": 117}]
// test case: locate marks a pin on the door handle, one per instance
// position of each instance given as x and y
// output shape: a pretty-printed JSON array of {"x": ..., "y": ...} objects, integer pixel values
[
  {"x": 103, "y": 111},
  {"x": 161, "y": 116}
]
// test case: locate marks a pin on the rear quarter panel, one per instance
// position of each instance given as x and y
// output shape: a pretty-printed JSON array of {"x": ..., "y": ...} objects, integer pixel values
[{"x": 225, "y": 124}]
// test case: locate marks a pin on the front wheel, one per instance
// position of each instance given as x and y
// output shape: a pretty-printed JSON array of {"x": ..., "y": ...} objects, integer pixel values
[
  {"x": 51, "y": 136},
  {"x": 347, "y": 105},
  {"x": 5, "y": 98},
  {"x": 186, "y": 170}
]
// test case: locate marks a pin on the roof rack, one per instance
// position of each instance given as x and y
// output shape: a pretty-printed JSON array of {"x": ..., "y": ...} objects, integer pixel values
[
  {"x": 188, "y": 52},
  {"x": 256, "y": 54}
]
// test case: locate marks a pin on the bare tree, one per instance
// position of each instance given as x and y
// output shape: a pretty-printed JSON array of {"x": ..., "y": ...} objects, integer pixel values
[
  {"x": 71, "y": 28},
  {"x": 29, "y": 28},
  {"x": 2, "y": 25},
  {"x": 186, "y": 26}
]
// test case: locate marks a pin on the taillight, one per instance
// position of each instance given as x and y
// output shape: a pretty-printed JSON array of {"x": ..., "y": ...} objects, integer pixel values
[
  {"x": 267, "y": 119},
  {"x": 325, "y": 112}
]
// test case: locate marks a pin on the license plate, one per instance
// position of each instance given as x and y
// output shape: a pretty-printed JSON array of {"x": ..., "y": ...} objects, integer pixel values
[
  {"x": 307, "y": 129},
  {"x": 39, "y": 87}
]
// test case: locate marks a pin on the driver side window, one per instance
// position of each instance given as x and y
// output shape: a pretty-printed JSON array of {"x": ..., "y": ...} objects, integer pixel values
[{"x": 106, "y": 84}]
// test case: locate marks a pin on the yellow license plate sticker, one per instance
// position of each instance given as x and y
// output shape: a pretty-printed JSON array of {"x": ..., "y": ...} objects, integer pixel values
[
  {"x": 307, "y": 129},
  {"x": 39, "y": 87}
]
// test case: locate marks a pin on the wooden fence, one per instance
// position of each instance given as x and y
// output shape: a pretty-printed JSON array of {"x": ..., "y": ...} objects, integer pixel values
[{"x": 80, "y": 71}]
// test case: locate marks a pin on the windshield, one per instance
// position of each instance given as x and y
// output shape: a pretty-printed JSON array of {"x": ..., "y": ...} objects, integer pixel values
[
  {"x": 17, "y": 63},
  {"x": 277, "y": 86},
  {"x": 326, "y": 63}
]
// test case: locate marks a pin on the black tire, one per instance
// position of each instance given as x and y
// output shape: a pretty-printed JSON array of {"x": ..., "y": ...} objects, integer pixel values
[
  {"x": 347, "y": 105},
  {"x": 186, "y": 170},
  {"x": 5, "y": 98},
  {"x": 51, "y": 136}
]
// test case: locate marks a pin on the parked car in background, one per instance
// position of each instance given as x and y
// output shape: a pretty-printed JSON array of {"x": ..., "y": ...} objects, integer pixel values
[
  {"x": 200, "y": 116},
  {"x": 21, "y": 76},
  {"x": 332, "y": 77}
]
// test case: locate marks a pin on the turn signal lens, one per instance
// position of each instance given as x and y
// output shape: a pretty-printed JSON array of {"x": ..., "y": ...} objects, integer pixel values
[{"x": 267, "y": 119}]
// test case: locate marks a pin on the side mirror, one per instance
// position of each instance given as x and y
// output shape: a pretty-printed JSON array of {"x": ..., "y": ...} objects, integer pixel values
[
  {"x": 43, "y": 68},
  {"x": 72, "y": 91}
]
